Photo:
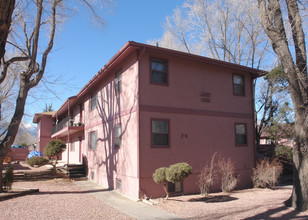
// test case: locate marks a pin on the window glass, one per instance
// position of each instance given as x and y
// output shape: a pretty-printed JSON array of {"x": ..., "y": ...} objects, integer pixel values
[
  {"x": 159, "y": 71},
  {"x": 160, "y": 132},
  {"x": 160, "y": 126},
  {"x": 159, "y": 66},
  {"x": 241, "y": 134},
  {"x": 238, "y": 80},
  {"x": 73, "y": 146},
  {"x": 238, "y": 85},
  {"x": 118, "y": 81},
  {"x": 174, "y": 187},
  {"x": 92, "y": 140},
  {"x": 93, "y": 101},
  {"x": 118, "y": 133}
]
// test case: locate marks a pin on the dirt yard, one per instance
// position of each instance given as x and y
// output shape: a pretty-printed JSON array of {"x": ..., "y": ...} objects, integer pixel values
[
  {"x": 244, "y": 204},
  {"x": 56, "y": 199}
]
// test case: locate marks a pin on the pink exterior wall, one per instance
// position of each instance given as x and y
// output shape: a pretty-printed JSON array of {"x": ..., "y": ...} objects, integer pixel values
[
  {"x": 106, "y": 163},
  {"x": 44, "y": 127},
  {"x": 197, "y": 129}
]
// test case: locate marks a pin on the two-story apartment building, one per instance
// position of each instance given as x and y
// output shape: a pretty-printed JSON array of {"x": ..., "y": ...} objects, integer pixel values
[{"x": 151, "y": 107}]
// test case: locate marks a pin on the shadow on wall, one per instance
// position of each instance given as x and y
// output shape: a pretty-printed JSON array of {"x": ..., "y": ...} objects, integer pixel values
[{"x": 110, "y": 112}]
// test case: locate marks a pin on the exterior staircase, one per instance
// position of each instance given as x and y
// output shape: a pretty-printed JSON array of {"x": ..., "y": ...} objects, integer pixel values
[{"x": 76, "y": 171}]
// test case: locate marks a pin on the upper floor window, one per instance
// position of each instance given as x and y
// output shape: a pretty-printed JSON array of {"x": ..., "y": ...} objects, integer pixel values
[
  {"x": 93, "y": 101},
  {"x": 160, "y": 133},
  {"x": 92, "y": 140},
  {"x": 240, "y": 134},
  {"x": 118, "y": 135},
  {"x": 118, "y": 83},
  {"x": 238, "y": 85},
  {"x": 159, "y": 71}
]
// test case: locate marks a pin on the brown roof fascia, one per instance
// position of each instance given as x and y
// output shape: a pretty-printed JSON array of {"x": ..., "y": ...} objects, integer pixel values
[
  {"x": 64, "y": 106},
  {"x": 255, "y": 72}
]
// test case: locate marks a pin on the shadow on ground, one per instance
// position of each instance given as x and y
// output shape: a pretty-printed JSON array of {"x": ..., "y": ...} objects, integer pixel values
[
  {"x": 292, "y": 214},
  {"x": 214, "y": 199}
]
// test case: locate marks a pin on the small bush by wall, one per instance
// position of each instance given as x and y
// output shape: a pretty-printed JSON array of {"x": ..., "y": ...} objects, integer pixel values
[
  {"x": 266, "y": 173},
  {"x": 229, "y": 179},
  {"x": 220, "y": 168},
  {"x": 39, "y": 161},
  {"x": 207, "y": 176},
  {"x": 8, "y": 178},
  {"x": 174, "y": 173}
]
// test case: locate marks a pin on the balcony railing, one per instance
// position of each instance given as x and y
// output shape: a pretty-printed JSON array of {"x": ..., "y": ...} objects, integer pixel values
[{"x": 62, "y": 124}]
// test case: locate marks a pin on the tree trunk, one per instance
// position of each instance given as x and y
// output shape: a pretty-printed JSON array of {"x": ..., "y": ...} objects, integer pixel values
[
  {"x": 273, "y": 24},
  {"x": 9, "y": 138},
  {"x": 6, "y": 11},
  {"x": 166, "y": 190}
]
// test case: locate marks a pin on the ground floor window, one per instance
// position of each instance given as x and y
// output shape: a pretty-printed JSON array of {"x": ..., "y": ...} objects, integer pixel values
[
  {"x": 92, "y": 140},
  {"x": 160, "y": 133},
  {"x": 118, "y": 184},
  {"x": 175, "y": 187},
  {"x": 72, "y": 146},
  {"x": 241, "y": 134},
  {"x": 118, "y": 135}
]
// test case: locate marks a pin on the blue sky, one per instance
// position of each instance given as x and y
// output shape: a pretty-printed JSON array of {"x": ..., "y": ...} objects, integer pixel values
[{"x": 82, "y": 48}]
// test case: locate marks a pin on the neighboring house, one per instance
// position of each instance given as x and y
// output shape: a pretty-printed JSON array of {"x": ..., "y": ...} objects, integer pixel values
[
  {"x": 151, "y": 107},
  {"x": 44, "y": 123},
  {"x": 282, "y": 134}
]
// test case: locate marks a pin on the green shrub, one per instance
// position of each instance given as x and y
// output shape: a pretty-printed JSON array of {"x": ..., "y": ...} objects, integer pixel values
[
  {"x": 284, "y": 151},
  {"x": 266, "y": 173},
  {"x": 178, "y": 172},
  {"x": 8, "y": 178},
  {"x": 54, "y": 148},
  {"x": 159, "y": 176},
  {"x": 175, "y": 173},
  {"x": 37, "y": 160}
]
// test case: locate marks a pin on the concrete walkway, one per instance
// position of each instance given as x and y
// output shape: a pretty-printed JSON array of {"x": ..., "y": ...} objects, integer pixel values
[{"x": 138, "y": 210}]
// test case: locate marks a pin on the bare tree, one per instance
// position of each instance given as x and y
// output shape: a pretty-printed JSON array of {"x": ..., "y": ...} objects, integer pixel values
[
  {"x": 293, "y": 57},
  {"x": 227, "y": 30},
  {"x": 33, "y": 21},
  {"x": 272, "y": 101},
  {"x": 6, "y": 11}
]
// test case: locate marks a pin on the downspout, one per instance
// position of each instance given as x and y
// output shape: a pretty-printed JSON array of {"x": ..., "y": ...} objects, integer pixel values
[
  {"x": 138, "y": 120},
  {"x": 253, "y": 115}
]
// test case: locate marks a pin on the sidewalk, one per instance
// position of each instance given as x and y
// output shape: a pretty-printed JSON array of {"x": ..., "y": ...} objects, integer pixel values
[{"x": 134, "y": 209}]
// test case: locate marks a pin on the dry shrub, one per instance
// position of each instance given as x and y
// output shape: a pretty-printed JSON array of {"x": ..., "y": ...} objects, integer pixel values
[
  {"x": 228, "y": 177},
  {"x": 206, "y": 177},
  {"x": 266, "y": 173}
]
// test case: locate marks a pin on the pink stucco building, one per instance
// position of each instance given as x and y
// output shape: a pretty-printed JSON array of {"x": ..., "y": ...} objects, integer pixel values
[{"x": 150, "y": 107}]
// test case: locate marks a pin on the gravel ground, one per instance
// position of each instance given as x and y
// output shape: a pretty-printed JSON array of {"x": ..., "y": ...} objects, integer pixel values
[
  {"x": 244, "y": 204},
  {"x": 57, "y": 199}
]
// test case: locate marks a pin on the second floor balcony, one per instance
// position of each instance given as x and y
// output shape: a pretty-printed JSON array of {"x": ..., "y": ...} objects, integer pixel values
[{"x": 66, "y": 127}]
